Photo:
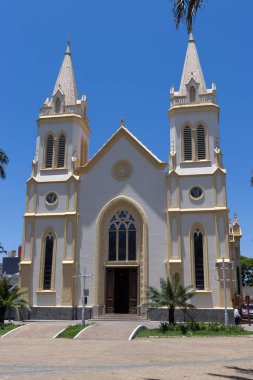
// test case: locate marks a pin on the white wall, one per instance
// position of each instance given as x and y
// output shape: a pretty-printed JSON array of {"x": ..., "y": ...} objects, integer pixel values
[{"x": 147, "y": 187}]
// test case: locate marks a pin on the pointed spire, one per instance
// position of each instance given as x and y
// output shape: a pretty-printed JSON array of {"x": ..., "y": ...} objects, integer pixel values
[
  {"x": 66, "y": 79},
  {"x": 192, "y": 69}
]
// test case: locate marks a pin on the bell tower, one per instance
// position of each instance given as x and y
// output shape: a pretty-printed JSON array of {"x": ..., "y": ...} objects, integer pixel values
[
  {"x": 198, "y": 227},
  {"x": 63, "y": 126},
  {"x": 51, "y": 217}
]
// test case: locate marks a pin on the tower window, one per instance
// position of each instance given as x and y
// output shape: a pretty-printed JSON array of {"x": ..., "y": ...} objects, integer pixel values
[
  {"x": 201, "y": 143},
  {"x": 48, "y": 262},
  {"x": 187, "y": 144},
  {"x": 61, "y": 151},
  {"x": 122, "y": 237},
  {"x": 49, "y": 151},
  {"x": 199, "y": 260},
  {"x": 57, "y": 105},
  {"x": 192, "y": 94}
]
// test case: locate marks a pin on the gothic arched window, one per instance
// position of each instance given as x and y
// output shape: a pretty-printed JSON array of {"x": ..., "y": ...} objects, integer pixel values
[
  {"x": 61, "y": 151},
  {"x": 122, "y": 237},
  {"x": 187, "y": 144},
  {"x": 49, "y": 152},
  {"x": 57, "y": 106},
  {"x": 199, "y": 260},
  {"x": 201, "y": 143},
  {"x": 192, "y": 94},
  {"x": 48, "y": 262}
]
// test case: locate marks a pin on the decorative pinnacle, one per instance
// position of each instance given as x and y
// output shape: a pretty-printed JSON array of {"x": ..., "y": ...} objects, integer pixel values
[
  {"x": 236, "y": 219},
  {"x": 122, "y": 122},
  {"x": 191, "y": 38},
  {"x": 68, "y": 48}
]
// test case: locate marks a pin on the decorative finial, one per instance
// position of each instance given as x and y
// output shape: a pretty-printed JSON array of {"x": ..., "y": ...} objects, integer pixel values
[
  {"x": 68, "y": 47},
  {"x": 191, "y": 38},
  {"x": 235, "y": 219},
  {"x": 122, "y": 122}
]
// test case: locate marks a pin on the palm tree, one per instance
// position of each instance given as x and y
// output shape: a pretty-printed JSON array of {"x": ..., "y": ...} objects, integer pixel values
[
  {"x": 3, "y": 160},
  {"x": 186, "y": 10},
  {"x": 172, "y": 294},
  {"x": 11, "y": 299}
]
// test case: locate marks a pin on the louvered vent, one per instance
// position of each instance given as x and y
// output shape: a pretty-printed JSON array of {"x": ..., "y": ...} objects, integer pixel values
[
  {"x": 50, "y": 150},
  {"x": 192, "y": 94},
  {"x": 201, "y": 143},
  {"x": 187, "y": 144},
  {"x": 61, "y": 152}
]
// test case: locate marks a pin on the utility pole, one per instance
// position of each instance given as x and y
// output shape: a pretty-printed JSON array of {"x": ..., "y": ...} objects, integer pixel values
[{"x": 84, "y": 293}]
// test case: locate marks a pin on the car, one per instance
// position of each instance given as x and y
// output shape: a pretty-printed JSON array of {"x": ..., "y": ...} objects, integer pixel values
[{"x": 245, "y": 311}]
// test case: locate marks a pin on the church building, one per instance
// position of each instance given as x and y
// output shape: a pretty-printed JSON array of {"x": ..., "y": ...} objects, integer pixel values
[{"x": 124, "y": 216}]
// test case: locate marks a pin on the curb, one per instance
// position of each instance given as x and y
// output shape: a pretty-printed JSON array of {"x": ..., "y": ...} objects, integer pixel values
[
  {"x": 9, "y": 332},
  {"x": 136, "y": 330}
]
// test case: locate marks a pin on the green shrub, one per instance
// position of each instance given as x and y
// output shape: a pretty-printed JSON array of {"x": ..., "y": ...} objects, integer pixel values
[
  {"x": 214, "y": 326},
  {"x": 184, "y": 329},
  {"x": 164, "y": 326}
]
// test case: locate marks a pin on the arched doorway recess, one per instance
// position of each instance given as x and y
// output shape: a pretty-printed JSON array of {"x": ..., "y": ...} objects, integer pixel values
[{"x": 121, "y": 256}]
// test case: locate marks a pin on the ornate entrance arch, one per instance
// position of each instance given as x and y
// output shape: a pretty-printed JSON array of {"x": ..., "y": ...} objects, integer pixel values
[{"x": 121, "y": 209}]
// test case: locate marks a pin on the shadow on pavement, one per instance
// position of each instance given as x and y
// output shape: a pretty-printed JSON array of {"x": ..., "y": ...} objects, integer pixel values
[{"x": 242, "y": 371}]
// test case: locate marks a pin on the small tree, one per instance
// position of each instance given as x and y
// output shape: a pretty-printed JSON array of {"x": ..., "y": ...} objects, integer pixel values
[
  {"x": 247, "y": 271},
  {"x": 11, "y": 299},
  {"x": 172, "y": 294}
]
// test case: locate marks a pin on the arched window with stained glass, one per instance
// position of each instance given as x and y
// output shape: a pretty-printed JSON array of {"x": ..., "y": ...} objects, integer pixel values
[{"x": 122, "y": 237}]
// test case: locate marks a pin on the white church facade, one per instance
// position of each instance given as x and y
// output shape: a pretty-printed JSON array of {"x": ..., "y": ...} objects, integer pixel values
[{"x": 123, "y": 215}]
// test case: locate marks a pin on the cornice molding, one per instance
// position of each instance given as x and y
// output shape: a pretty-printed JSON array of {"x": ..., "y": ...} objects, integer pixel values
[
  {"x": 198, "y": 210},
  {"x": 51, "y": 215},
  {"x": 195, "y": 107}
]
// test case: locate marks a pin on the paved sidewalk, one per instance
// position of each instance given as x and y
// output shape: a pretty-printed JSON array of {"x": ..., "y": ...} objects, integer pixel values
[
  {"x": 38, "y": 330},
  {"x": 140, "y": 359}
]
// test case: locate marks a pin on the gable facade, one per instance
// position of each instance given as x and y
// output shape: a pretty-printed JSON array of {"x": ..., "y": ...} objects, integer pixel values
[{"x": 122, "y": 216}]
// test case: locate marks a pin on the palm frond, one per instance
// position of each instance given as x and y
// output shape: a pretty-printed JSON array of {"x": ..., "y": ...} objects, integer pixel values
[
  {"x": 3, "y": 157},
  {"x": 11, "y": 298},
  {"x": 185, "y": 11}
]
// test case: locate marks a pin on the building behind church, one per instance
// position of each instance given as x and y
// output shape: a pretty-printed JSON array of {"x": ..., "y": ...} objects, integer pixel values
[{"x": 124, "y": 215}]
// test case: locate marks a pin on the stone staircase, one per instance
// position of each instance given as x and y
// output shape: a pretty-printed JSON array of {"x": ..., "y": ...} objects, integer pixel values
[{"x": 119, "y": 317}]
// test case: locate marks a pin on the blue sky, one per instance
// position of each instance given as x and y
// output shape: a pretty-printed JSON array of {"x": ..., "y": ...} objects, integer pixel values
[{"x": 126, "y": 54}]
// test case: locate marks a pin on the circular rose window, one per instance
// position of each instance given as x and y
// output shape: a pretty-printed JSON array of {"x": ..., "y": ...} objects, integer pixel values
[{"x": 122, "y": 170}]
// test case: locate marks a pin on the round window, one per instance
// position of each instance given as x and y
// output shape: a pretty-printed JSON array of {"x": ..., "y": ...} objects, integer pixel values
[
  {"x": 51, "y": 198},
  {"x": 196, "y": 192}
]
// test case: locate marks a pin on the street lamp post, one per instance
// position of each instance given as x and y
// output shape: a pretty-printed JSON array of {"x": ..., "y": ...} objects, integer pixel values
[
  {"x": 224, "y": 280},
  {"x": 84, "y": 276},
  {"x": 2, "y": 250},
  {"x": 225, "y": 292}
]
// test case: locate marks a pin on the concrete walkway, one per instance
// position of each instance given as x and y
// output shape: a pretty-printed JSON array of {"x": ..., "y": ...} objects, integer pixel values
[
  {"x": 101, "y": 330},
  {"x": 38, "y": 330},
  {"x": 109, "y": 330}
]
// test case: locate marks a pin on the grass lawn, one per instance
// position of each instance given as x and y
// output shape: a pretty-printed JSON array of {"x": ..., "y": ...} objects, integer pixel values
[
  {"x": 71, "y": 331},
  {"x": 177, "y": 332},
  {"x": 4, "y": 328}
]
